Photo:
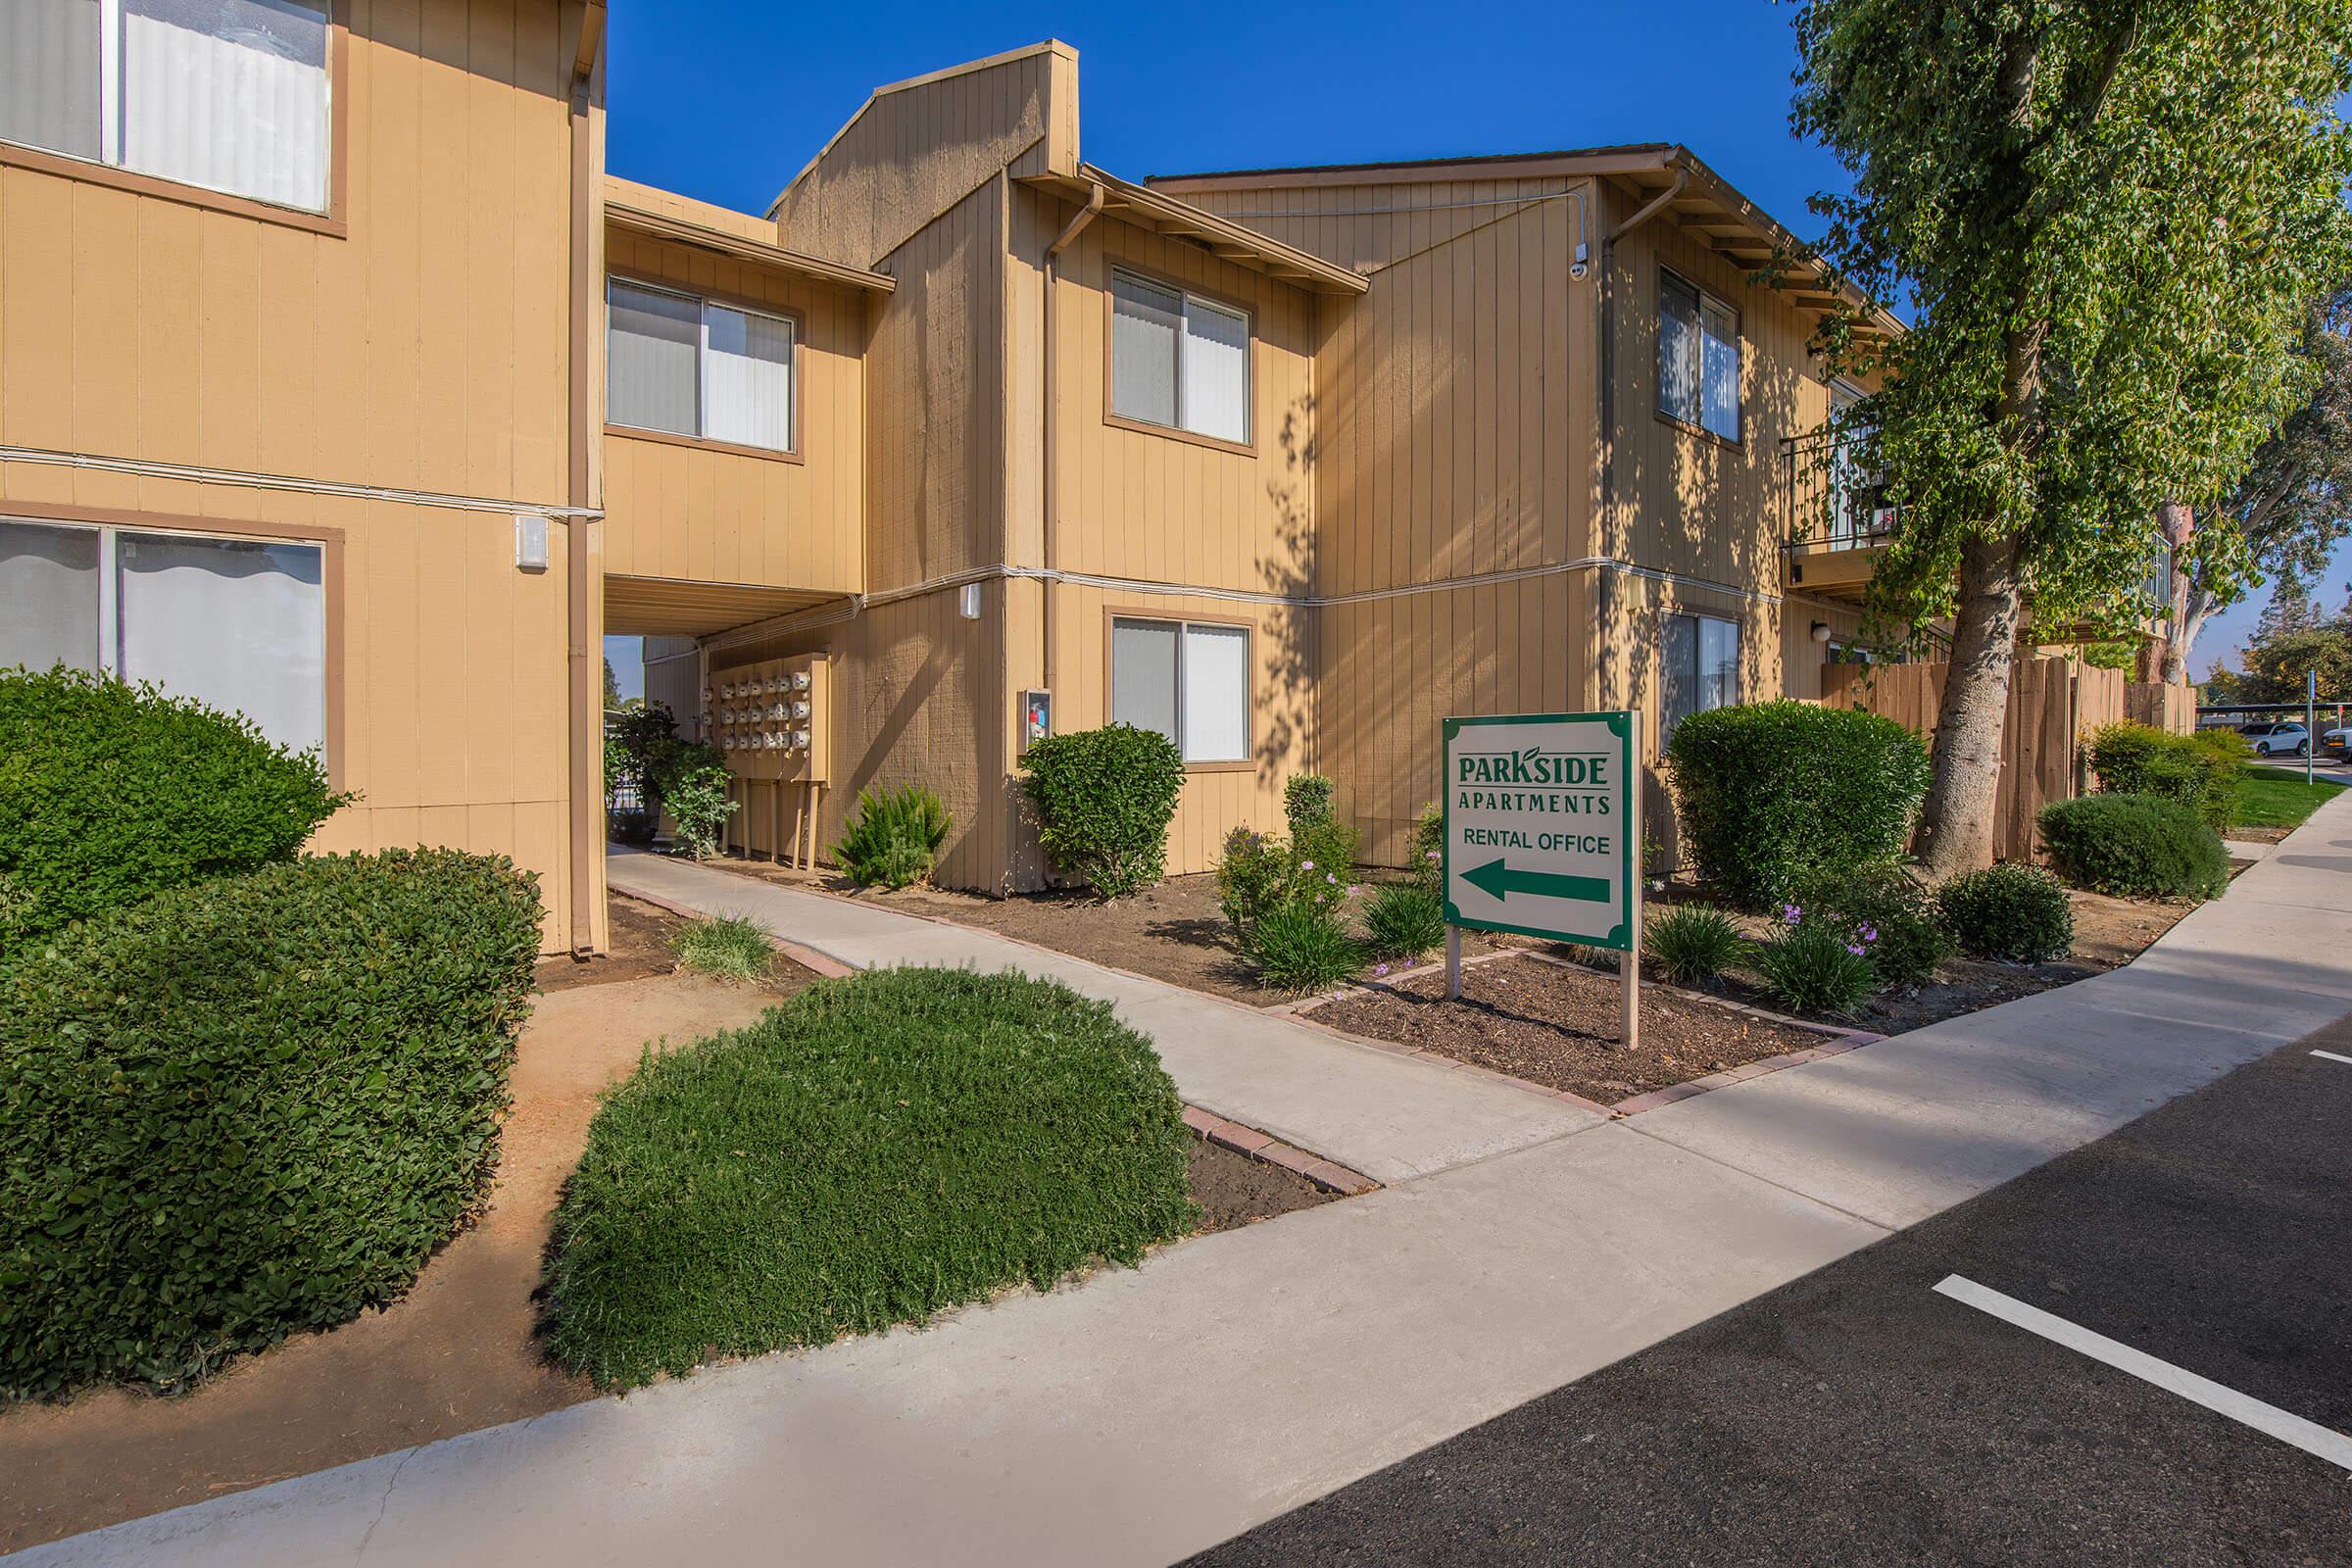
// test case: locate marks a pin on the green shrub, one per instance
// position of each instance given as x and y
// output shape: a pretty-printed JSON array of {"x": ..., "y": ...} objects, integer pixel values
[
  {"x": 896, "y": 838},
  {"x": 696, "y": 790},
  {"x": 1255, "y": 875},
  {"x": 1326, "y": 852},
  {"x": 1811, "y": 967},
  {"x": 1771, "y": 793},
  {"x": 1404, "y": 921},
  {"x": 110, "y": 794},
  {"x": 2134, "y": 847},
  {"x": 1885, "y": 913},
  {"x": 1427, "y": 846},
  {"x": 637, "y": 740},
  {"x": 733, "y": 947},
  {"x": 2012, "y": 911},
  {"x": 1301, "y": 946},
  {"x": 249, "y": 1106},
  {"x": 1305, "y": 801},
  {"x": 1692, "y": 944},
  {"x": 2199, "y": 770},
  {"x": 872, "y": 1151},
  {"x": 1104, "y": 799}
]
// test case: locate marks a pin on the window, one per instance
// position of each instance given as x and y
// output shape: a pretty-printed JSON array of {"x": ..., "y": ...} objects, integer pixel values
[
  {"x": 236, "y": 623},
  {"x": 228, "y": 94},
  {"x": 1698, "y": 669},
  {"x": 1189, "y": 681},
  {"x": 1178, "y": 360},
  {"x": 687, "y": 365},
  {"x": 1698, "y": 358}
]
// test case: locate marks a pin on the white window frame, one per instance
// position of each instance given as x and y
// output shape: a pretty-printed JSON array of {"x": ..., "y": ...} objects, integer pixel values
[
  {"x": 1697, "y": 419},
  {"x": 704, "y": 304},
  {"x": 1189, "y": 299},
  {"x": 110, "y": 118},
  {"x": 1249, "y": 672}
]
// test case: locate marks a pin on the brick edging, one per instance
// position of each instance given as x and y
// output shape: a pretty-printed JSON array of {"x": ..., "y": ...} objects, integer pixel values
[{"x": 1328, "y": 1174}]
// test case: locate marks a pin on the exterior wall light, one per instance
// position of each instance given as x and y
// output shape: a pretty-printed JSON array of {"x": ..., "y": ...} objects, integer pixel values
[{"x": 967, "y": 603}]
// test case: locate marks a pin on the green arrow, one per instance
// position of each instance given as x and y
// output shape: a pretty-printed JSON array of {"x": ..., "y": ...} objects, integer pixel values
[{"x": 1499, "y": 881}]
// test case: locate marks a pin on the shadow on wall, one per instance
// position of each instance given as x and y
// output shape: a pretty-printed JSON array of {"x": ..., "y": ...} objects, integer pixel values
[{"x": 1285, "y": 744}]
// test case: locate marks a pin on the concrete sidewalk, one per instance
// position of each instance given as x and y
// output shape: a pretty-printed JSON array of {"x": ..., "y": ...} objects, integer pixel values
[
  {"x": 1389, "y": 1116},
  {"x": 1144, "y": 1414}
]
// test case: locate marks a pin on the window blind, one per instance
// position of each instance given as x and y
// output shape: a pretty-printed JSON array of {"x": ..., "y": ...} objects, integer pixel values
[
  {"x": 1215, "y": 381},
  {"x": 49, "y": 87},
  {"x": 236, "y": 623},
  {"x": 230, "y": 94},
  {"x": 747, "y": 378},
  {"x": 1216, "y": 694},
  {"x": 1142, "y": 676},
  {"x": 48, "y": 596},
  {"x": 651, "y": 375},
  {"x": 1145, "y": 324}
]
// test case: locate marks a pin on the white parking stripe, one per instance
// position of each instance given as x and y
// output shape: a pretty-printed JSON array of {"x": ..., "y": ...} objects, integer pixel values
[
  {"x": 2310, "y": 1437},
  {"x": 2333, "y": 1056}
]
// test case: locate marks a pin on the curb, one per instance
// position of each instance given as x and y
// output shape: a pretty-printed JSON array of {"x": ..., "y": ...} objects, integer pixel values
[{"x": 1330, "y": 1175}]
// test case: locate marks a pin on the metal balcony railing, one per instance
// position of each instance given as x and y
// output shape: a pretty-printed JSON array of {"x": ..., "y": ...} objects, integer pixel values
[{"x": 1835, "y": 501}]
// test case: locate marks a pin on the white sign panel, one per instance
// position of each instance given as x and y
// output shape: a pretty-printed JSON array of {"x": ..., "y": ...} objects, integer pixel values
[{"x": 1543, "y": 825}]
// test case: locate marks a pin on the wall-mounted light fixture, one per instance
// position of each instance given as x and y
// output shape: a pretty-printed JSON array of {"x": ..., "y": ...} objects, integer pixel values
[
  {"x": 1820, "y": 631},
  {"x": 530, "y": 541},
  {"x": 967, "y": 603}
]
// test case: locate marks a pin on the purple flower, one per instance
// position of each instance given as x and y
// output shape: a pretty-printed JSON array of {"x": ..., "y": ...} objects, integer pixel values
[
  {"x": 1431, "y": 855},
  {"x": 1380, "y": 968},
  {"x": 1791, "y": 914},
  {"x": 1307, "y": 866},
  {"x": 1332, "y": 877},
  {"x": 1355, "y": 889},
  {"x": 1868, "y": 933},
  {"x": 1855, "y": 947}
]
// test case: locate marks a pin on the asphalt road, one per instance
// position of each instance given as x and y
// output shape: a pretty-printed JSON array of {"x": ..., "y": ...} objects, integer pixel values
[{"x": 1858, "y": 1416}]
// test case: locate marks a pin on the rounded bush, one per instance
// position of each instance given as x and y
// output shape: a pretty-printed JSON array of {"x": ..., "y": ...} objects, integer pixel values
[
  {"x": 1307, "y": 800},
  {"x": 249, "y": 1106},
  {"x": 2199, "y": 770},
  {"x": 110, "y": 794},
  {"x": 1692, "y": 944},
  {"x": 894, "y": 840},
  {"x": 2012, "y": 911},
  {"x": 2134, "y": 847},
  {"x": 1768, "y": 794},
  {"x": 1404, "y": 921},
  {"x": 1103, "y": 799}
]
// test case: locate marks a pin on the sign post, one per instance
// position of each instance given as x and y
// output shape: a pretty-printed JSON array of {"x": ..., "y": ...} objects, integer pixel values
[
  {"x": 2311, "y": 728},
  {"x": 1544, "y": 836}
]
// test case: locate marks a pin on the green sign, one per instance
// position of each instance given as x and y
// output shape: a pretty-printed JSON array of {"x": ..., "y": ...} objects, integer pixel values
[{"x": 1543, "y": 825}]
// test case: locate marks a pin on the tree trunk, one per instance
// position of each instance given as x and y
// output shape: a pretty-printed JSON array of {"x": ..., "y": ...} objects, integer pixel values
[
  {"x": 2180, "y": 626},
  {"x": 1956, "y": 822}
]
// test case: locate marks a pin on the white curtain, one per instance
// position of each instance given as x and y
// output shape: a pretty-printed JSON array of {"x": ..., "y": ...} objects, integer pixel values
[
  {"x": 49, "y": 74},
  {"x": 1216, "y": 371},
  {"x": 1216, "y": 694},
  {"x": 1144, "y": 327},
  {"x": 233, "y": 624},
  {"x": 230, "y": 94},
  {"x": 747, "y": 378},
  {"x": 1677, "y": 349},
  {"x": 1720, "y": 392},
  {"x": 1142, "y": 676},
  {"x": 650, "y": 377},
  {"x": 48, "y": 596}
]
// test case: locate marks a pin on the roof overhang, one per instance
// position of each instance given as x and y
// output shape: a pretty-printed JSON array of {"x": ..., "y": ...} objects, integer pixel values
[
  {"x": 662, "y": 606},
  {"x": 661, "y": 225},
  {"x": 1163, "y": 213}
]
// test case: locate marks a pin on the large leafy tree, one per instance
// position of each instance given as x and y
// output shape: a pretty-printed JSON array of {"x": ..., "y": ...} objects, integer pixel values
[{"x": 2108, "y": 214}]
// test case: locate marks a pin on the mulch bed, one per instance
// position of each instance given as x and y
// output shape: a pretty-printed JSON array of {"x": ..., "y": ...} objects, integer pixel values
[
  {"x": 1233, "y": 1189},
  {"x": 1558, "y": 1025},
  {"x": 640, "y": 950}
]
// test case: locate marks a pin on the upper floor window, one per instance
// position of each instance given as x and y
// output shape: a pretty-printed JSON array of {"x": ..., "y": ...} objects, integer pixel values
[
  {"x": 1698, "y": 358},
  {"x": 231, "y": 95},
  {"x": 1178, "y": 359},
  {"x": 691, "y": 367}
]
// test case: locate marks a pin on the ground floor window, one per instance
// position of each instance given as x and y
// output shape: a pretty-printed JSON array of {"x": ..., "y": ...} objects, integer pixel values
[
  {"x": 236, "y": 623},
  {"x": 1698, "y": 669},
  {"x": 1188, "y": 679}
]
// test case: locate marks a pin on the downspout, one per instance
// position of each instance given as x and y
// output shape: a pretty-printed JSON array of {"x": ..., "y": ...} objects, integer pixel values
[
  {"x": 1607, "y": 590},
  {"x": 1053, "y": 507},
  {"x": 586, "y": 688}
]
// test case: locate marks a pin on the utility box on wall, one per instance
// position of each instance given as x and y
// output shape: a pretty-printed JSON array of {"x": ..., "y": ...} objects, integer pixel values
[{"x": 773, "y": 720}]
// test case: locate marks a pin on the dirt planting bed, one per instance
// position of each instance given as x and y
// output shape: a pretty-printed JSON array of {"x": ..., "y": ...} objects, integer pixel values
[{"x": 1233, "y": 1189}]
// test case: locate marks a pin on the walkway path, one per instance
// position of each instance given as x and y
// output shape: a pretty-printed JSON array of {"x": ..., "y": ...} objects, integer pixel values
[{"x": 1147, "y": 1413}]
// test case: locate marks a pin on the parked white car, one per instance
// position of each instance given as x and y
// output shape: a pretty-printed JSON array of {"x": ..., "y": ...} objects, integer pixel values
[{"x": 2280, "y": 739}]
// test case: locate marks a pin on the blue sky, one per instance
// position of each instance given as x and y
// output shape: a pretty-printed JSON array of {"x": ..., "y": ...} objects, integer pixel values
[{"x": 726, "y": 102}]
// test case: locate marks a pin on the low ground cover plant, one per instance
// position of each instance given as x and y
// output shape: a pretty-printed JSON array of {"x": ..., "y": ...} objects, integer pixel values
[
  {"x": 249, "y": 1106},
  {"x": 733, "y": 947},
  {"x": 1303, "y": 946},
  {"x": 1811, "y": 967},
  {"x": 876, "y": 1148},
  {"x": 2268, "y": 796},
  {"x": 2200, "y": 771},
  {"x": 894, "y": 839},
  {"x": 1103, "y": 799},
  {"x": 1885, "y": 913},
  {"x": 1772, "y": 794},
  {"x": 110, "y": 794},
  {"x": 1404, "y": 921},
  {"x": 1692, "y": 944},
  {"x": 2011, "y": 911},
  {"x": 2134, "y": 847}
]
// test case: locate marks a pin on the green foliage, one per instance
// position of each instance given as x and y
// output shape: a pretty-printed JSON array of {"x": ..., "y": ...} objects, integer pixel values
[
  {"x": 110, "y": 794},
  {"x": 1305, "y": 801},
  {"x": 1103, "y": 799},
  {"x": 1301, "y": 946},
  {"x": 1692, "y": 944},
  {"x": 733, "y": 947},
  {"x": 2134, "y": 847},
  {"x": 2123, "y": 655},
  {"x": 1773, "y": 793},
  {"x": 1255, "y": 875},
  {"x": 2011, "y": 911},
  {"x": 875, "y": 1150},
  {"x": 2265, "y": 797},
  {"x": 636, "y": 740},
  {"x": 1403, "y": 920},
  {"x": 1884, "y": 912},
  {"x": 249, "y": 1106},
  {"x": 693, "y": 782},
  {"x": 1811, "y": 967},
  {"x": 1428, "y": 846},
  {"x": 896, "y": 838},
  {"x": 1326, "y": 852},
  {"x": 2198, "y": 770},
  {"x": 2277, "y": 664}
]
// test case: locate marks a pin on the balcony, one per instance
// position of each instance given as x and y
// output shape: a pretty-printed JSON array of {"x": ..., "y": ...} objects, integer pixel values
[{"x": 1839, "y": 520}]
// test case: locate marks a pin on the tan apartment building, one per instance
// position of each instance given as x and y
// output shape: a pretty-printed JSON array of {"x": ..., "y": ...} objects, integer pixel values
[{"x": 370, "y": 403}]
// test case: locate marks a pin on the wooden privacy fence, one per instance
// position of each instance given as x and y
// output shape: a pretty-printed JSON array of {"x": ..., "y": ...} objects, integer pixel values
[
  {"x": 2051, "y": 703},
  {"x": 2160, "y": 704}
]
